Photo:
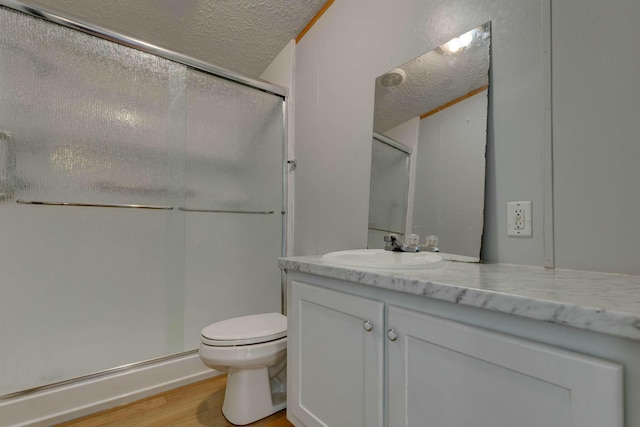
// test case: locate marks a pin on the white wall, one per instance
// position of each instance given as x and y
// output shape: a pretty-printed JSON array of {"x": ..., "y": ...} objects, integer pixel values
[
  {"x": 450, "y": 167},
  {"x": 406, "y": 133},
  {"x": 280, "y": 71},
  {"x": 336, "y": 64},
  {"x": 596, "y": 143}
]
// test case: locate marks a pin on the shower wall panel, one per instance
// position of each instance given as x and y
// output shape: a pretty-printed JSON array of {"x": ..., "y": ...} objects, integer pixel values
[{"x": 85, "y": 120}]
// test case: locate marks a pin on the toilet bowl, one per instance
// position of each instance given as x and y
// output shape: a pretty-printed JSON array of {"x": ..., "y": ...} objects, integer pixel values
[{"x": 252, "y": 350}]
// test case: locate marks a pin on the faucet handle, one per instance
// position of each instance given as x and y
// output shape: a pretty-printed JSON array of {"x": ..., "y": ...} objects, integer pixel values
[
  {"x": 430, "y": 244},
  {"x": 413, "y": 240}
]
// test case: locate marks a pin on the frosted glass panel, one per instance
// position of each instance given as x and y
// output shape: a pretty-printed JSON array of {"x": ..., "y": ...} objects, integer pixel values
[
  {"x": 91, "y": 115},
  {"x": 389, "y": 191},
  {"x": 234, "y": 162},
  {"x": 87, "y": 121},
  {"x": 234, "y": 146}
]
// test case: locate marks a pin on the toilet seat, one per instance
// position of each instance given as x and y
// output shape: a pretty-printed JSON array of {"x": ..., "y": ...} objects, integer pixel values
[{"x": 246, "y": 330}]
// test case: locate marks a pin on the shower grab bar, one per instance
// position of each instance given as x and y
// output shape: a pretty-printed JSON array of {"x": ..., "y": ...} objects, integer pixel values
[
  {"x": 94, "y": 205},
  {"x": 227, "y": 211}
]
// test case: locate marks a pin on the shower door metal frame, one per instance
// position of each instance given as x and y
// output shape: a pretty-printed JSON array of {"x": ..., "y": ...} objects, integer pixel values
[
  {"x": 390, "y": 142},
  {"x": 282, "y": 92},
  {"x": 103, "y": 33}
]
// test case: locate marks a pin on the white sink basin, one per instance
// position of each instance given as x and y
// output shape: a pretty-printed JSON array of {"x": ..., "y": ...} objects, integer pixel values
[{"x": 379, "y": 258}]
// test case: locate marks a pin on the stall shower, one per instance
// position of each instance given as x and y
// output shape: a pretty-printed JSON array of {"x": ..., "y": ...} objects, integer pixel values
[{"x": 141, "y": 199}]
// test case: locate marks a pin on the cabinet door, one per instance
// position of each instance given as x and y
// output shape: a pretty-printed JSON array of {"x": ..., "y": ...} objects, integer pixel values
[
  {"x": 446, "y": 374},
  {"x": 335, "y": 364}
]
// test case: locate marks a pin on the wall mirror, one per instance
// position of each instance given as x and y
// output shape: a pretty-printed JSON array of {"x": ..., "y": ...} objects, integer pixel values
[{"x": 429, "y": 143}]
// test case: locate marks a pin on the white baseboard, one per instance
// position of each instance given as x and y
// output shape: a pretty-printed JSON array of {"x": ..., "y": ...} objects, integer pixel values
[{"x": 81, "y": 398}]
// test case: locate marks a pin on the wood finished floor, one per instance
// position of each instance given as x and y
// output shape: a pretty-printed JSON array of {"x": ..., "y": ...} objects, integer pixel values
[{"x": 197, "y": 404}]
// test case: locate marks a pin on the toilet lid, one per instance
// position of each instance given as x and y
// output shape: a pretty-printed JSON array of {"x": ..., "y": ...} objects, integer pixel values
[{"x": 257, "y": 328}]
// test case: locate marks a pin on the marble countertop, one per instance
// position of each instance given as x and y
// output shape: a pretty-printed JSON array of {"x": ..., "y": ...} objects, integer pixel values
[{"x": 601, "y": 302}]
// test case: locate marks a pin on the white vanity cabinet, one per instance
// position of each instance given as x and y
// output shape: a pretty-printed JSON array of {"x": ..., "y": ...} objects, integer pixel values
[
  {"x": 447, "y": 374},
  {"x": 354, "y": 360},
  {"x": 334, "y": 358}
]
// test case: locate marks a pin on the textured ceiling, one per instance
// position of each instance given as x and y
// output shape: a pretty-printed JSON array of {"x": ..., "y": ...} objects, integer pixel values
[
  {"x": 239, "y": 35},
  {"x": 433, "y": 80}
]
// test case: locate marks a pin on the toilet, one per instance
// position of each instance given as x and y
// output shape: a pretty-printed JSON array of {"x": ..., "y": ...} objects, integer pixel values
[{"x": 252, "y": 350}]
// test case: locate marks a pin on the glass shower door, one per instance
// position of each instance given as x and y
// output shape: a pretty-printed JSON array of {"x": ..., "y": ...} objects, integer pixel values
[
  {"x": 389, "y": 192},
  {"x": 140, "y": 200}
]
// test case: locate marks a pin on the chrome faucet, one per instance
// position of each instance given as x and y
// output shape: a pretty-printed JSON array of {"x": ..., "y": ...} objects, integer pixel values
[{"x": 392, "y": 243}]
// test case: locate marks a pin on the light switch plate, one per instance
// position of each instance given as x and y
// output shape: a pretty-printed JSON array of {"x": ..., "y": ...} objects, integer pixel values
[{"x": 519, "y": 219}]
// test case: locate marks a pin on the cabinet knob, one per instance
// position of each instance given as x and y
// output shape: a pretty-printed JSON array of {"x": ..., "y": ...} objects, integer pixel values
[
  {"x": 392, "y": 335},
  {"x": 367, "y": 325}
]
